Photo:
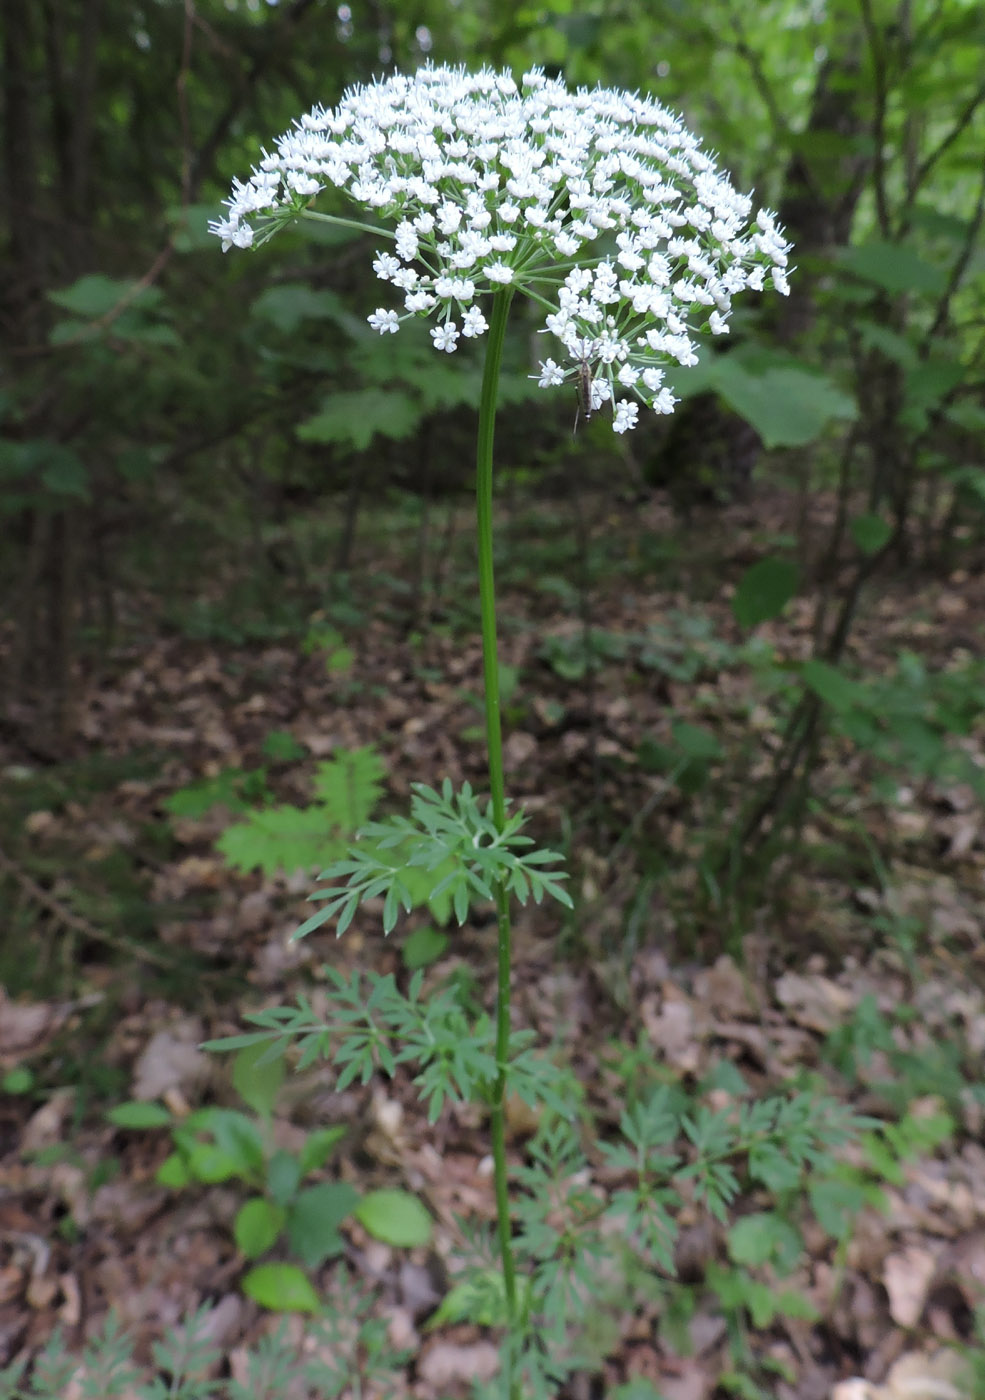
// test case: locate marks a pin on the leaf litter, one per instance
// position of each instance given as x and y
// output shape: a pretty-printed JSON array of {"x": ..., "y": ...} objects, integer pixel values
[{"x": 891, "y": 1310}]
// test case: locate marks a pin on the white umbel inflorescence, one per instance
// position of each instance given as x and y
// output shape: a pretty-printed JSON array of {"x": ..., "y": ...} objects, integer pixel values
[{"x": 598, "y": 204}]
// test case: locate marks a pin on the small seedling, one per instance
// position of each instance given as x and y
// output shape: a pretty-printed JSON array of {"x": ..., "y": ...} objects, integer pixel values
[{"x": 214, "y": 1145}]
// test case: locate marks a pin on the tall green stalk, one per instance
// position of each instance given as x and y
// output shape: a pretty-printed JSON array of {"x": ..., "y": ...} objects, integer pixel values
[{"x": 494, "y": 744}]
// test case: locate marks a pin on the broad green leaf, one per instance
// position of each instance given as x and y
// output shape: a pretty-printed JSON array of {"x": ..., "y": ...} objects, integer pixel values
[
  {"x": 257, "y": 1225},
  {"x": 354, "y": 417},
  {"x": 695, "y": 740},
  {"x": 140, "y": 1114},
  {"x": 929, "y": 383},
  {"x": 281, "y": 1287},
  {"x": 830, "y": 685},
  {"x": 283, "y": 1176},
  {"x": 258, "y": 1073},
  {"x": 870, "y": 532},
  {"x": 281, "y": 746},
  {"x": 237, "y": 1148},
  {"x": 423, "y": 947},
  {"x": 173, "y": 1172},
  {"x": 95, "y": 294},
  {"x": 893, "y": 266},
  {"x": 893, "y": 345},
  {"x": 290, "y": 303},
  {"x": 210, "y": 1164},
  {"x": 318, "y": 1147},
  {"x": 764, "y": 591},
  {"x": 314, "y": 1217},
  {"x": 395, "y": 1217},
  {"x": 788, "y": 406},
  {"x": 190, "y": 226}
]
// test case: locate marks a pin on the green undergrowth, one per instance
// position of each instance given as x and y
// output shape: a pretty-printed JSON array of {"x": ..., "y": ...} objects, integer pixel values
[{"x": 286, "y": 1210}]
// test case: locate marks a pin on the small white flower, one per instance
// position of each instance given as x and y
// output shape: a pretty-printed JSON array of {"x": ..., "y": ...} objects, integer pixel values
[
  {"x": 499, "y": 272},
  {"x": 407, "y": 241},
  {"x": 386, "y": 267},
  {"x": 625, "y": 416},
  {"x": 302, "y": 184},
  {"x": 449, "y": 218},
  {"x": 717, "y": 324},
  {"x": 550, "y": 374},
  {"x": 384, "y": 321},
  {"x": 445, "y": 337},
  {"x": 601, "y": 393},
  {"x": 474, "y": 323}
]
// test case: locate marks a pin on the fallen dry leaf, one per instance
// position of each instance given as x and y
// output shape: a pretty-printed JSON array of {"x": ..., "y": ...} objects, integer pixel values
[
  {"x": 907, "y": 1276},
  {"x": 171, "y": 1059},
  {"x": 922, "y": 1376},
  {"x": 915, "y": 1376},
  {"x": 447, "y": 1363},
  {"x": 22, "y": 1024},
  {"x": 814, "y": 1001}
]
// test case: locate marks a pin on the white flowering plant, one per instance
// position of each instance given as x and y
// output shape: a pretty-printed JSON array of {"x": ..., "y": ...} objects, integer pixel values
[
  {"x": 602, "y": 210},
  {"x": 600, "y": 206}
]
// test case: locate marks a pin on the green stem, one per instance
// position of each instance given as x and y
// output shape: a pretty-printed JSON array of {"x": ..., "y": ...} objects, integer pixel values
[
  {"x": 494, "y": 743},
  {"x": 340, "y": 222}
]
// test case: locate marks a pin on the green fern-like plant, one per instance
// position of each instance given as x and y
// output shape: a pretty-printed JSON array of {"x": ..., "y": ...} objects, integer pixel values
[
  {"x": 344, "y": 1341},
  {"x": 288, "y": 838}
]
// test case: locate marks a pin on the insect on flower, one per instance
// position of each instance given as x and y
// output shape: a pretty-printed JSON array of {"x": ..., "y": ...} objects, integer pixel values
[{"x": 585, "y": 379}]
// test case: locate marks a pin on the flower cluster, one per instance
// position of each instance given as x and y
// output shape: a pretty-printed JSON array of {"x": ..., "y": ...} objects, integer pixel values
[{"x": 597, "y": 204}]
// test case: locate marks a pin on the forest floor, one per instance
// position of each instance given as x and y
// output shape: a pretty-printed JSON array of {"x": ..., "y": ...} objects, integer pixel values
[{"x": 856, "y": 962}]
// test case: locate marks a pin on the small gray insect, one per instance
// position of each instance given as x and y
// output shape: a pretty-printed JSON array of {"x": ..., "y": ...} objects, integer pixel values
[{"x": 585, "y": 376}]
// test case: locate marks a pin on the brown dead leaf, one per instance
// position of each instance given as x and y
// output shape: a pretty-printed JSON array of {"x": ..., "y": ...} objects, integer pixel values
[
  {"x": 814, "y": 1001},
  {"x": 673, "y": 1032},
  {"x": 724, "y": 989},
  {"x": 46, "y": 1126},
  {"x": 922, "y": 1376},
  {"x": 23, "y": 1024},
  {"x": 689, "y": 1380},
  {"x": 171, "y": 1059},
  {"x": 907, "y": 1276},
  {"x": 453, "y": 1363}
]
